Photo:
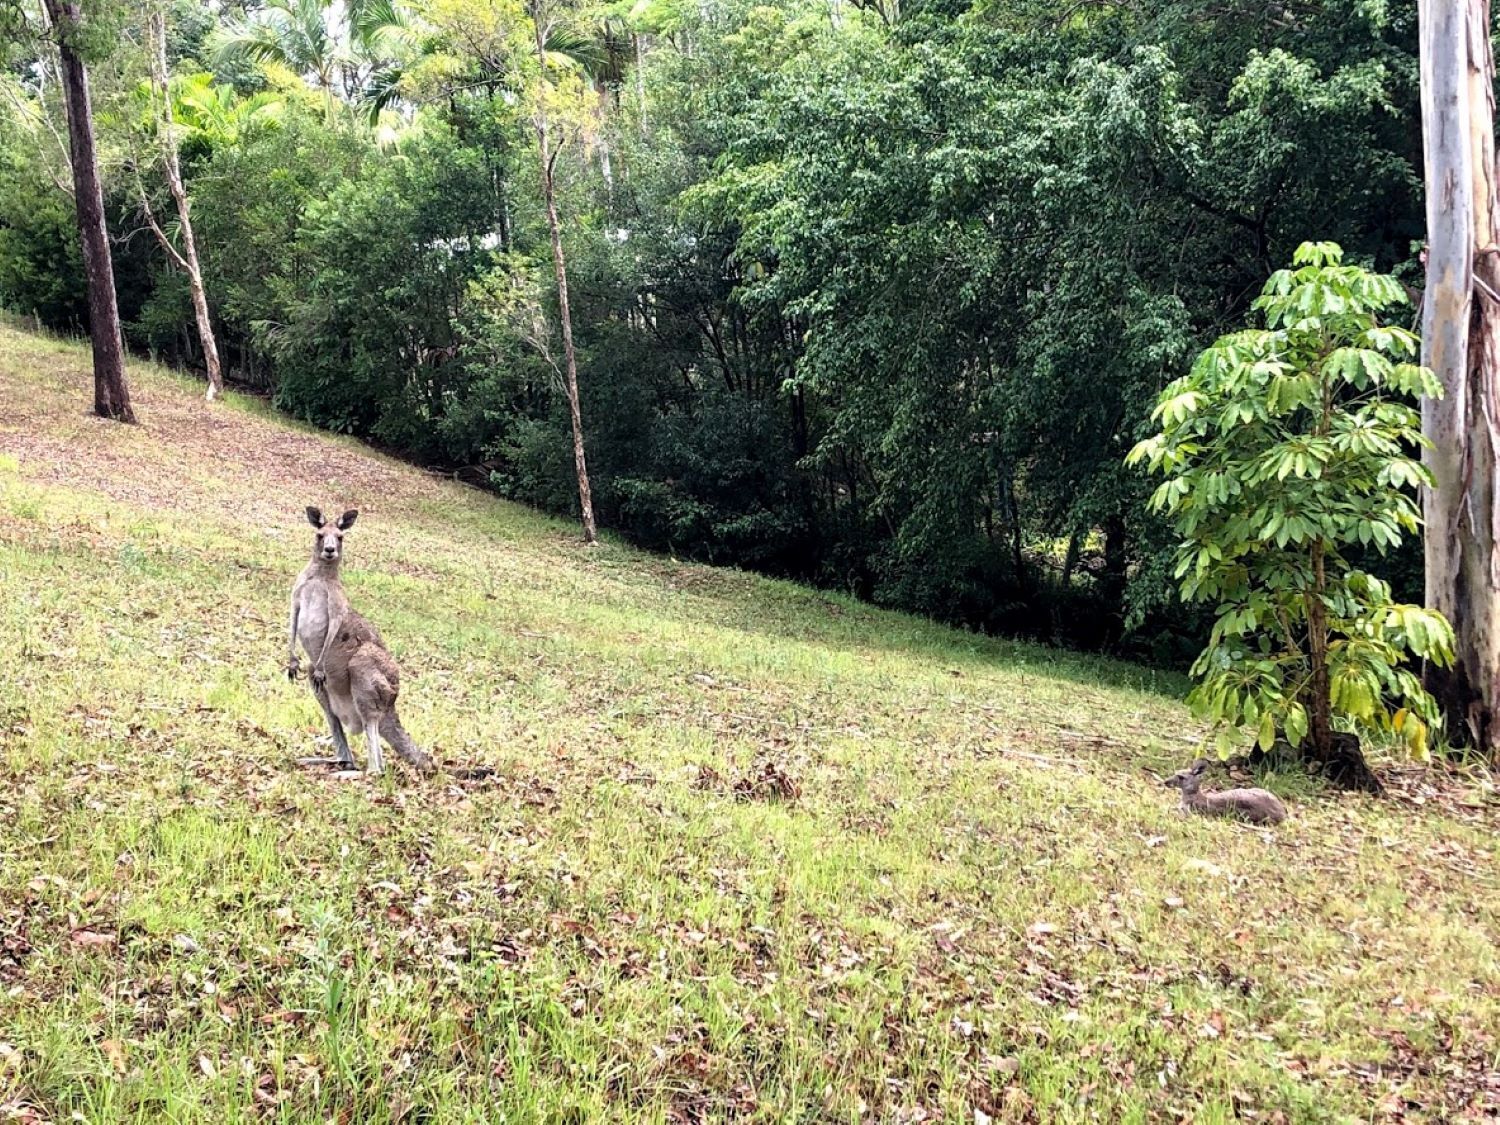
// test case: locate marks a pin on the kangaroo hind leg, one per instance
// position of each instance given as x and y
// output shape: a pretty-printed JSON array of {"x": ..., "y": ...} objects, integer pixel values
[
  {"x": 336, "y": 728},
  {"x": 344, "y": 757},
  {"x": 376, "y": 765}
]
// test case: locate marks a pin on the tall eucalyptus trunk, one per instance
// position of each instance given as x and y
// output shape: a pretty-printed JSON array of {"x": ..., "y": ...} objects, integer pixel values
[
  {"x": 1461, "y": 343},
  {"x": 548, "y": 157},
  {"x": 187, "y": 258}
]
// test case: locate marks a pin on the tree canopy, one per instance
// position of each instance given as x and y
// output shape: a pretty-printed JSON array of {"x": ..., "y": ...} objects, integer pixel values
[{"x": 873, "y": 295}]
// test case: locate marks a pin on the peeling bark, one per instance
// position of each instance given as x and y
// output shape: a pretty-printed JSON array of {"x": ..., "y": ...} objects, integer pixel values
[{"x": 1461, "y": 343}]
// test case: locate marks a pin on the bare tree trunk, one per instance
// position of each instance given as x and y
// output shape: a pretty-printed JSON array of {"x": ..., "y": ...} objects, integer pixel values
[
  {"x": 1461, "y": 343},
  {"x": 640, "y": 80},
  {"x": 560, "y": 268},
  {"x": 111, "y": 394},
  {"x": 1115, "y": 575},
  {"x": 1319, "y": 704},
  {"x": 187, "y": 260},
  {"x": 1070, "y": 559}
]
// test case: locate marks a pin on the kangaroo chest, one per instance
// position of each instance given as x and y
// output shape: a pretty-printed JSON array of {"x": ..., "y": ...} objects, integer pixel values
[{"x": 315, "y": 604}]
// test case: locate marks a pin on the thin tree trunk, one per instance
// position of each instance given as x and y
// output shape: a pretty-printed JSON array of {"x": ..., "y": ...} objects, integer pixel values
[
  {"x": 1070, "y": 559},
  {"x": 188, "y": 259},
  {"x": 1018, "y": 558},
  {"x": 1319, "y": 706},
  {"x": 111, "y": 394},
  {"x": 1461, "y": 343},
  {"x": 560, "y": 268},
  {"x": 1115, "y": 573},
  {"x": 640, "y": 80}
]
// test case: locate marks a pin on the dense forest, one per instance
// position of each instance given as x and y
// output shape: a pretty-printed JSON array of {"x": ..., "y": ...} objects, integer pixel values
[{"x": 876, "y": 297}]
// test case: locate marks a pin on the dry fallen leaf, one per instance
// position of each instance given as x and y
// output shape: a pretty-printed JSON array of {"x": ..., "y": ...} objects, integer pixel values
[{"x": 114, "y": 1051}]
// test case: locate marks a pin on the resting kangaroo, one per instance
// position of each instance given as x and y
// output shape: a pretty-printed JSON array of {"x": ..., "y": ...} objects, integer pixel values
[
  {"x": 1259, "y": 806},
  {"x": 353, "y": 677}
]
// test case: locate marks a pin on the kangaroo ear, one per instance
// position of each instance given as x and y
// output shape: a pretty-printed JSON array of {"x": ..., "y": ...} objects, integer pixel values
[
  {"x": 1200, "y": 765},
  {"x": 346, "y": 521},
  {"x": 315, "y": 516}
]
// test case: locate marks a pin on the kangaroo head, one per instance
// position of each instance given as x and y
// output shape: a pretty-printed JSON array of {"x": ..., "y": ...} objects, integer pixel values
[
  {"x": 1189, "y": 779},
  {"x": 328, "y": 546}
]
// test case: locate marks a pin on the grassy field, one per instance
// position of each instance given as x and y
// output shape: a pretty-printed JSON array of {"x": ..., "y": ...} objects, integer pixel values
[{"x": 749, "y": 852}]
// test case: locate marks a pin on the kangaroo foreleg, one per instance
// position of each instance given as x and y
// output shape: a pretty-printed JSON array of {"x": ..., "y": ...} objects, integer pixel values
[
  {"x": 293, "y": 665},
  {"x": 319, "y": 673}
]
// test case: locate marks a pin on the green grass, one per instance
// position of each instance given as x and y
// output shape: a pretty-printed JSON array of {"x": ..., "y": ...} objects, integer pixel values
[{"x": 981, "y": 902}]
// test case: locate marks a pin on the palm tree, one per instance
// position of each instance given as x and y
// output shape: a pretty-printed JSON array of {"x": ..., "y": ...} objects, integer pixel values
[
  {"x": 216, "y": 113},
  {"x": 295, "y": 34},
  {"x": 349, "y": 51}
]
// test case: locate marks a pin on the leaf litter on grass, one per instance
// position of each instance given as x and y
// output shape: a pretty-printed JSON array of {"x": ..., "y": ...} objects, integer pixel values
[{"x": 733, "y": 856}]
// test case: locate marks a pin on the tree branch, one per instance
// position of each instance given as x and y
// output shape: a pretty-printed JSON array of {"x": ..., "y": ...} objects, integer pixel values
[
  {"x": 150, "y": 216},
  {"x": 39, "y": 113}
]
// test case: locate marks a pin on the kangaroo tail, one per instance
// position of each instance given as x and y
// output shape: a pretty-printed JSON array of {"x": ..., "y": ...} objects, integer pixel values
[{"x": 394, "y": 733}]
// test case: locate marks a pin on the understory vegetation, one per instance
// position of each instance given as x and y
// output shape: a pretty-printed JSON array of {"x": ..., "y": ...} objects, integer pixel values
[
  {"x": 875, "y": 296},
  {"x": 748, "y": 851}
]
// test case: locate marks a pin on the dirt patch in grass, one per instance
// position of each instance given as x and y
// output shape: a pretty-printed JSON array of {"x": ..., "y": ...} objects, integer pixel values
[{"x": 229, "y": 458}]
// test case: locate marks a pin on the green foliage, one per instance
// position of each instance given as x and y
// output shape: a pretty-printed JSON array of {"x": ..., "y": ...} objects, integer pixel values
[
  {"x": 370, "y": 344},
  {"x": 210, "y": 114},
  {"x": 1284, "y": 447},
  {"x": 251, "y": 206},
  {"x": 41, "y": 268},
  {"x": 876, "y": 296}
]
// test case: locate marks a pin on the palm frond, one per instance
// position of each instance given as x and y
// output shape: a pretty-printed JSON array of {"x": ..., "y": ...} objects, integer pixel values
[{"x": 256, "y": 41}]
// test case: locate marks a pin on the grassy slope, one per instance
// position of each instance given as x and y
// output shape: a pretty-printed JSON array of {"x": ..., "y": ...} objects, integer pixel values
[{"x": 981, "y": 900}]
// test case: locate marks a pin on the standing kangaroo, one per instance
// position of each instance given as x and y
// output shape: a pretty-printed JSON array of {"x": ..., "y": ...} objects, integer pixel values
[
  {"x": 353, "y": 677},
  {"x": 1259, "y": 806}
]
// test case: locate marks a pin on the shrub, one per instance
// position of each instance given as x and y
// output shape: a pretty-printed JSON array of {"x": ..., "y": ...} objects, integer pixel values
[{"x": 1284, "y": 448}]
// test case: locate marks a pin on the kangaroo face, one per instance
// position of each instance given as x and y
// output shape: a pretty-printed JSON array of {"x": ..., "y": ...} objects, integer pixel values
[
  {"x": 328, "y": 546},
  {"x": 1187, "y": 780}
]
